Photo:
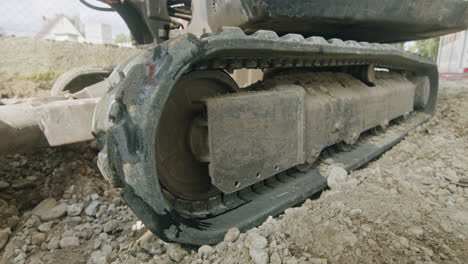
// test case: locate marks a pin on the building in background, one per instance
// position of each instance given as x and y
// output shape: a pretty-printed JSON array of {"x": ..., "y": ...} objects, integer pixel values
[
  {"x": 61, "y": 28},
  {"x": 64, "y": 28},
  {"x": 98, "y": 33},
  {"x": 453, "y": 54}
]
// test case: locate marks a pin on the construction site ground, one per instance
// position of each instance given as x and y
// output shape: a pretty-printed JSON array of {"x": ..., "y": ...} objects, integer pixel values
[{"x": 408, "y": 206}]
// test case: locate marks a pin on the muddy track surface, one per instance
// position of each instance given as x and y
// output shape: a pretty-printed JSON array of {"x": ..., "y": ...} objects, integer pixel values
[{"x": 408, "y": 206}]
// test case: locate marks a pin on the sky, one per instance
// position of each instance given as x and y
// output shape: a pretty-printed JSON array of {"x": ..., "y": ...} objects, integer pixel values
[{"x": 26, "y": 17}]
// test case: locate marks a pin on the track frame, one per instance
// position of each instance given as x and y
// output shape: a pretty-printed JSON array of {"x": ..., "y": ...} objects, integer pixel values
[{"x": 126, "y": 121}]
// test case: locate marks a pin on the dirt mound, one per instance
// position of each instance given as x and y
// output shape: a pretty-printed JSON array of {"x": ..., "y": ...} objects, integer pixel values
[{"x": 29, "y": 67}]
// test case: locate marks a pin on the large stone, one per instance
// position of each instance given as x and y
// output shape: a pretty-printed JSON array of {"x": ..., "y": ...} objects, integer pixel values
[
  {"x": 176, "y": 252},
  {"x": 33, "y": 221},
  {"x": 416, "y": 230},
  {"x": 44, "y": 206},
  {"x": 98, "y": 257},
  {"x": 110, "y": 225},
  {"x": 92, "y": 208},
  {"x": 4, "y": 235},
  {"x": 22, "y": 184},
  {"x": 4, "y": 184},
  {"x": 452, "y": 176},
  {"x": 74, "y": 209},
  {"x": 45, "y": 227},
  {"x": 317, "y": 261},
  {"x": 69, "y": 241},
  {"x": 150, "y": 244},
  {"x": 231, "y": 235},
  {"x": 205, "y": 251},
  {"x": 258, "y": 256},
  {"x": 53, "y": 243},
  {"x": 254, "y": 240},
  {"x": 336, "y": 176},
  {"x": 54, "y": 213},
  {"x": 275, "y": 258},
  {"x": 38, "y": 238}
]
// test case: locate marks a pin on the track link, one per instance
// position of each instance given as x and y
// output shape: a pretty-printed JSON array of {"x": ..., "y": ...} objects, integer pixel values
[{"x": 126, "y": 120}]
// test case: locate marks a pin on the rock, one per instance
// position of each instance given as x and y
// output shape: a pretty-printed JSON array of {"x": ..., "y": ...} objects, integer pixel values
[
  {"x": 69, "y": 241},
  {"x": 92, "y": 208},
  {"x": 38, "y": 238},
  {"x": 150, "y": 243},
  {"x": 19, "y": 258},
  {"x": 355, "y": 212},
  {"x": 258, "y": 256},
  {"x": 94, "y": 196},
  {"x": 404, "y": 242},
  {"x": 291, "y": 260},
  {"x": 74, "y": 209},
  {"x": 3, "y": 238},
  {"x": 44, "y": 206},
  {"x": 452, "y": 176},
  {"x": 231, "y": 235},
  {"x": 254, "y": 240},
  {"x": 427, "y": 251},
  {"x": 205, "y": 251},
  {"x": 97, "y": 244},
  {"x": 67, "y": 233},
  {"x": 336, "y": 176},
  {"x": 275, "y": 258},
  {"x": 349, "y": 237},
  {"x": 22, "y": 184},
  {"x": 110, "y": 225},
  {"x": 45, "y": 227},
  {"x": 98, "y": 257},
  {"x": 137, "y": 226},
  {"x": 416, "y": 230},
  {"x": 36, "y": 260},
  {"x": 4, "y": 184},
  {"x": 318, "y": 261},
  {"x": 176, "y": 252},
  {"x": 54, "y": 213},
  {"x": 366, "y": 228},
  {"x": 107, "y": 248},
  {"x": 33, "y": 221},
  {"x": 53, "y": 243}
]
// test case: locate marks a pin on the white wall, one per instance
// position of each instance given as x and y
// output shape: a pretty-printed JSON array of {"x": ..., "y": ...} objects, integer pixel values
[
  {"x": 453, "y": 53},
  {"x": 98, "y": 33}
]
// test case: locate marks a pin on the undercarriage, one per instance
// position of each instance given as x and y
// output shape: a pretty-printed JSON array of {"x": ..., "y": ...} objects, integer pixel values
[{"x": 195, "y": 154}]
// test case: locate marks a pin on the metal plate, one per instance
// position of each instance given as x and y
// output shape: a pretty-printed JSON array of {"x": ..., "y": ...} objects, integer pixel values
[{"x": 246, "y": 131}]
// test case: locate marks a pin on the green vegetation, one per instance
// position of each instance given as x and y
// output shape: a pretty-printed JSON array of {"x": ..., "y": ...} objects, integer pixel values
[
  {"x": 427, "y": 47},
  {"x": 122, "y": 38}
]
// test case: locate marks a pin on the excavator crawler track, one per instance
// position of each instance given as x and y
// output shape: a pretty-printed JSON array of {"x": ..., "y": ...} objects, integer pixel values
[{"x": 126, "y": 121}]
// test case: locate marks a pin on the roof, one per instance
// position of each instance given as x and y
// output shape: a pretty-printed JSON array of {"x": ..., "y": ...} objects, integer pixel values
[{"x": 51, "y": 23}]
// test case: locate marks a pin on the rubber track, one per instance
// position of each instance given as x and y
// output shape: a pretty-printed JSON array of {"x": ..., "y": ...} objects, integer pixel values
[{"x": 126, "y": 120}]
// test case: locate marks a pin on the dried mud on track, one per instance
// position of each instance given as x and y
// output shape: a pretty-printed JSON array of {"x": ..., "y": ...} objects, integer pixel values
[{"x": 408, "y": 206}]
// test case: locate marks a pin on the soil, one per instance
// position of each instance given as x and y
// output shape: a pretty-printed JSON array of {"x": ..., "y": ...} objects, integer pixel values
[
  {"x": 29, "y": 67},
  {"x": 408, "y": 206}
]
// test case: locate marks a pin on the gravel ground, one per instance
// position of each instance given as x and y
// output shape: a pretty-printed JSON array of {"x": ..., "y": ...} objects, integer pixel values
[{"x": 408, "y": 206}]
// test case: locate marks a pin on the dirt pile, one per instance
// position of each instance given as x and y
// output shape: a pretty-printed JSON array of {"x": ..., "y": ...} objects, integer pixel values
[{"x": 29, "y": 67}]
